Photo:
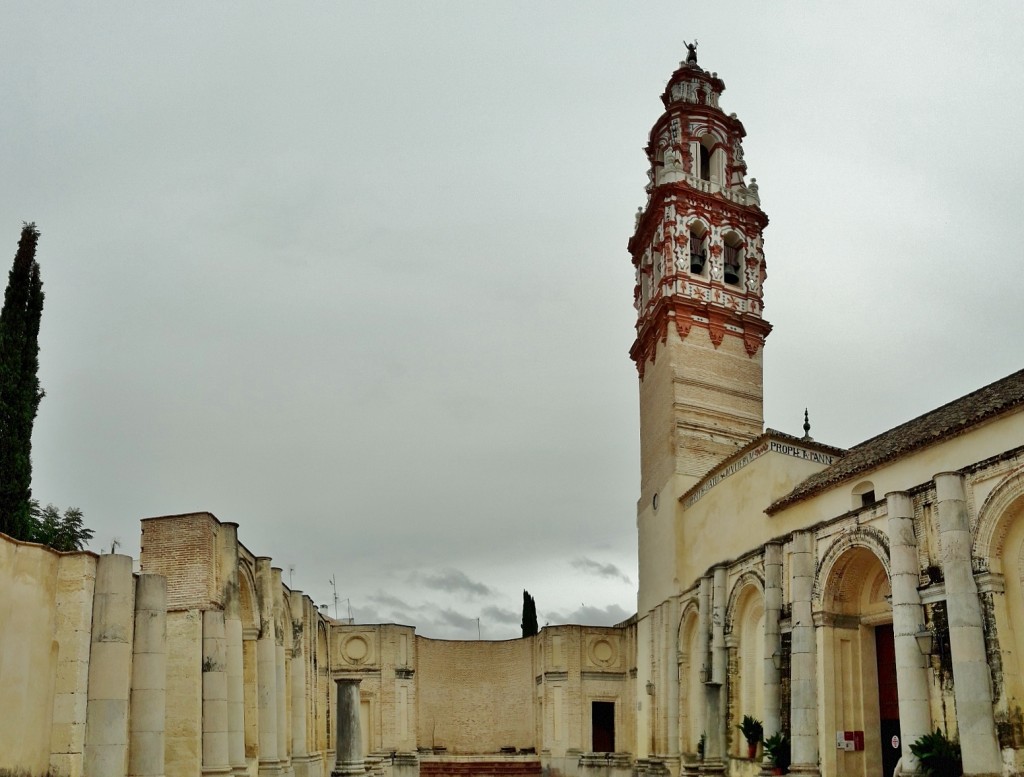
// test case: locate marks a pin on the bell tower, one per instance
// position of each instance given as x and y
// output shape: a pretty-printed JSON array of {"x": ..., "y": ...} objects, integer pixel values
[{"x": 697, "y": 250}]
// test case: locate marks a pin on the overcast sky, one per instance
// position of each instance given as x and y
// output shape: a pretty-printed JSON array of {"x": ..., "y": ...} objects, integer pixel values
[{"x": 354, "y": 275}]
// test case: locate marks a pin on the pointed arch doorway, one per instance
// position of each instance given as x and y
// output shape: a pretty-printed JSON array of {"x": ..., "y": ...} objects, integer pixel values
[{"x": 859, "y": 696}]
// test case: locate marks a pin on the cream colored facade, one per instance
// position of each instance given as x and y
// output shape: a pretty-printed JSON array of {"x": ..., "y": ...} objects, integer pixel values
[{"x": 779, "y": 577}]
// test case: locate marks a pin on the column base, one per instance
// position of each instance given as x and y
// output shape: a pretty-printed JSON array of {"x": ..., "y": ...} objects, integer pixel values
[
  {"x": 269, "y": 769},
  {"x": 712, "y": 768},
  {"x": 213, "y": 771},
  {"x": 349, "y": 769},
  {"x": 303, "y": 766},
  {"x": 806, "y": 770}
]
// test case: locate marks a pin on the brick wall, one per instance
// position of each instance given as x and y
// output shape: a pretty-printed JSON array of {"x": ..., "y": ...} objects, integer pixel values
[
  {"x": 183, "y": 548},
  {"x": 475, "y": 697}
]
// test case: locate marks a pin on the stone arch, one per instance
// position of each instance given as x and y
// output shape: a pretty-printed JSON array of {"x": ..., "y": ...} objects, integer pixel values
[
  {"x": 249, "y": 613},
  {"x": 248, "y": 607},
  {"x": 745, "y": 624},
  {"x": 865, "y": 537},
  {"x": 997, "y": 514},
  {"x": 322, "y": 680},
  {"x": 747, "y": 579},
  {"x": 287, "y": 629},
  {"x": 853, "y": 631},
  {"x": 999, "y": 547},
  {"x": 690, "y": 690}
]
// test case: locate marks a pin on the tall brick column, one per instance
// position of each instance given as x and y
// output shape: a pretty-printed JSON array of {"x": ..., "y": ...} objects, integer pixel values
[
  {"x": 714, "y": 748},
  {"x": 771, "y": 714},
  {"x": 215, "y": 695},
  {"x": 149, "y": 678},
  {"x": 972, "y": 689},
  {"x": 907, "y": 618},
  {"x": 234, "y": 659},
  {"x": 281, "y": 695},
  {"x": 300, "y": 744},
  {"x": 110, "y": 667},
  {"x": 803, "y": 660},
  {"x": 266, "y": 672},
  {"x": 672, "y": 670}
]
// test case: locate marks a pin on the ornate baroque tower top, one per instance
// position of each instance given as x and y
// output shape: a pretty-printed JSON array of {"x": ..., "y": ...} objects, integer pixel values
[{"x": 697, "y": 247}]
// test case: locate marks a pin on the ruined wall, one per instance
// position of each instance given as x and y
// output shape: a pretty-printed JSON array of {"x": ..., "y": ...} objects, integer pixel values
[
  {"x": 45, "y": 612},
  {"x": 475, "y": 697},
  {"x": 183, "y": 548}
]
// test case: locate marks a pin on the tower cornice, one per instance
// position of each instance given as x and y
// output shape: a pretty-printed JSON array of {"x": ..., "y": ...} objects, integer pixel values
[
  {"x": 683, "y": 314},
  {"x": 714, "y": 203}
]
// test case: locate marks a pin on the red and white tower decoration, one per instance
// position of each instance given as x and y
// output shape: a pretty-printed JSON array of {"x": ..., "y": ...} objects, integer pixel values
[
  {"x": 697, "y": 248},
  {"x": 700, "y": 272}
]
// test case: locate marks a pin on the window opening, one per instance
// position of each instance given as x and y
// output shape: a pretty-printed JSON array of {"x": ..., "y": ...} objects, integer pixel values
[
  {"x": 732, "y": 263},
  {"x": 698, "y": 254},
  {"x": 705, "y": 163}
]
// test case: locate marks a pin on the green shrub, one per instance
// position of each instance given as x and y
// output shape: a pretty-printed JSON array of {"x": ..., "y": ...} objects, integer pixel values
[{"x": 939, "y": 757}]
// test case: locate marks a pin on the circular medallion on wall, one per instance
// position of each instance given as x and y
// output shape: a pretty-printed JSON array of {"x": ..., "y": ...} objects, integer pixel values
[
  {"x": 603, "y": 652},
  {"x": 355, "y": 649}
]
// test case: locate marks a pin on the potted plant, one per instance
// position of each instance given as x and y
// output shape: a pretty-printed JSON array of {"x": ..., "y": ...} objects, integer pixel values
[
  {"x": 776, "y": 747},
  {"x": 939, "y": 757},
  {"x": 752, "y": 730}
]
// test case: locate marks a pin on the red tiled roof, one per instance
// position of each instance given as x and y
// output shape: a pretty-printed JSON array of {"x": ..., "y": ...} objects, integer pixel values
[{"x": 940, "y": 424}]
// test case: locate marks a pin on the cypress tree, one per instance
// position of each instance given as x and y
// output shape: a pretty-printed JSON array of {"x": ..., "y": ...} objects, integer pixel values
[
  {"x": 529, "y": 623},
  {"x": 19, "y": 385}
]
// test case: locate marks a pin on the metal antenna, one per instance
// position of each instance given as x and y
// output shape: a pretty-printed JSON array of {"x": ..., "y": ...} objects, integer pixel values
[{"x": 334, "y": 587}]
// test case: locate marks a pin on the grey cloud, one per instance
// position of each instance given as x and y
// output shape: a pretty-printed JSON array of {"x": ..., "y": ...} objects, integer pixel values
[
  {"x": 501, "y": 616},
  {"x": 590, "y": 616},
  {"x": 592, "y": 567},
  {"x": 388, "y": 600},
  {"x": 457, "y": 619},
  {"x": 450, "y": 581}
]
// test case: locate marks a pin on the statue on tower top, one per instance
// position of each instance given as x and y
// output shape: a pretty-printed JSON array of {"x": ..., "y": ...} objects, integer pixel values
[{"x": 691, "y": 52}]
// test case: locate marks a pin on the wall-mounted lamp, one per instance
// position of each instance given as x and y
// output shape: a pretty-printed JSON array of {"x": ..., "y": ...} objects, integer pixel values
[
  {"x": 777, "y": 659},
  {"x": 925, "y": 640},
  {"x": 650, "y": 688},
  {"x": 704, "y": 674}
]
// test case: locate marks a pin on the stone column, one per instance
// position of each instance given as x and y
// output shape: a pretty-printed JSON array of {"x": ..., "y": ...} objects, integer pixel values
[
  {"x": 110, "y": 667},
  {"x": 348, "y": 760},
  {"x": 234, "y": 660},
  {"x": 699, "y": 659},
  {"x": 283, "y": 740},
  {"x": 149, "y": 678},
  {"x": 672, "y": 671},
  {"x": 215, "y": 695},
  {"x": 300, "y": 745},
  {"x": 719, "y": 667},
  {"x": 771, "y": 714},
  {"x": 907, "y": 619},
  {"x": 803, "y": 659},
  {"x": 266, "y": 672},
  {"x": 972, "y": 689}
]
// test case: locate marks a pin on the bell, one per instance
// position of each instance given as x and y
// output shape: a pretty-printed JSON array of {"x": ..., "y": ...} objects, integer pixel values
[{"x": 732, "y": 275}]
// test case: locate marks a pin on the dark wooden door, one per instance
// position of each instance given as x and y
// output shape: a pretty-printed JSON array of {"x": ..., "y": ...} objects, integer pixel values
[
  {"x": 888, "y": 698},
  {"x": 602, "y": 722}
]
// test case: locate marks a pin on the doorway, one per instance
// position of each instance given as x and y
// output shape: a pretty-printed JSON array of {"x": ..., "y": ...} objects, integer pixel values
[
  {"x": 602, "y": 724},
  {"x": 888, "y": 697}
]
